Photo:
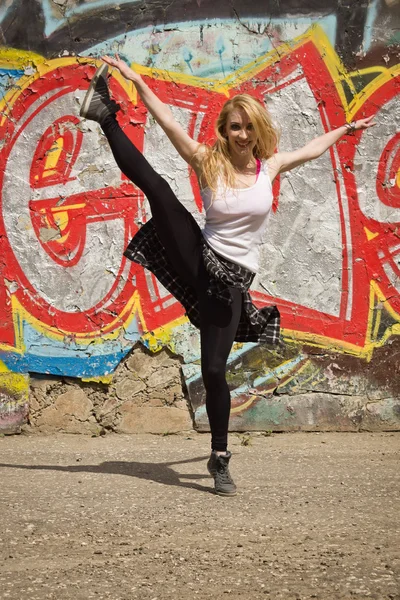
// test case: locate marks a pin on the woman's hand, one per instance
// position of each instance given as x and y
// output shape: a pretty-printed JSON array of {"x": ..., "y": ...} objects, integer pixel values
[
  {"x": 122, "y": 67},
  {"x": 363, "y": 123}
]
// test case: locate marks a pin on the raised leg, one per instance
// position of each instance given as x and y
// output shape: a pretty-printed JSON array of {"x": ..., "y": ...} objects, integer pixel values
[{"x": 176, "y": 227}]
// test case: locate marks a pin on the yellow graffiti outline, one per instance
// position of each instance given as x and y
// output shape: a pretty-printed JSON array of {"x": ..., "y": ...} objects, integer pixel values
[
  {"x": 364, "y": 95},
  {"x": 11, "y": 58},
  {"x": 161, "y": 336},
  {"x": 110, "y": 332},
  {"x": 300, "y": 370},
  {"x": 254, "y": 397},
  {"x": 15, "y": 383},
  {"x": 44, "y": 67},
  {"x": 20, "y": 314},
  {"x": 3, "y": 368},
  {"x": 375, "y": 293},
  {"x": 244, "y": 406},
  {"x": 214, "y": 85},
  {"x": 370, "y": 344},
  {"x": 393, "y": 329},
  {"x": 223, "y": 86},
  {"x": 338, "y": 74}
]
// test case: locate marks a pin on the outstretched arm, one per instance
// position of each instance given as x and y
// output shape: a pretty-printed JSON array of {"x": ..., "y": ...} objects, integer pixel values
[
  {"x": 187, "y": 147},
  {"x": 285, "y": 161}
]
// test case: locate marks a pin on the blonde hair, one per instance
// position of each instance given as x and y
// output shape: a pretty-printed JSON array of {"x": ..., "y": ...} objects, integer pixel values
[{"x": 216, "y": 163}]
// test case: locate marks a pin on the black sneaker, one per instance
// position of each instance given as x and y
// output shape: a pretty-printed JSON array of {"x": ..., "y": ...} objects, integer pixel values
[
  {"x": 212, "y": 464},
  {"x": 218, "y": 468},
  {"x": 97, "y": 104}
]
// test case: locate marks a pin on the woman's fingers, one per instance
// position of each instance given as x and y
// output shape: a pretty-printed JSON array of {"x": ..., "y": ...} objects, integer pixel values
[
  {"x": 108, "y": 60},
  {"x": 368, "y": 119},
  {"x": 119, "y": 64},
  {"x": 365, "y": 123}
]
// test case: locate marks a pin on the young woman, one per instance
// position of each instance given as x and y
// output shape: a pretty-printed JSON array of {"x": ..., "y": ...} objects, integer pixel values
[{"x": 209, "y": 271}]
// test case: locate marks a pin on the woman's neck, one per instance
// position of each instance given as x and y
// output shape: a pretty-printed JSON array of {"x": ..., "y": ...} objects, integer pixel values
[{"x": 247, "y": 165}]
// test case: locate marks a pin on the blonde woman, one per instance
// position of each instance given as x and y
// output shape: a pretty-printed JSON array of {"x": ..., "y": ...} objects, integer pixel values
[{"x": 209, "y": 271}]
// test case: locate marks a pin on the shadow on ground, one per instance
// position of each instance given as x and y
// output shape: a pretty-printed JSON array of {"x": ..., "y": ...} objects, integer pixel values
[{"x": 157, "y": 472}]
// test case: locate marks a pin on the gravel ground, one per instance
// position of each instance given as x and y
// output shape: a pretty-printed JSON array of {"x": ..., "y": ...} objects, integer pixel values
[{"x": 134, "y": 517}]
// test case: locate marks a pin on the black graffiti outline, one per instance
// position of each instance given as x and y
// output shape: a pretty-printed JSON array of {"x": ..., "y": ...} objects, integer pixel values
[{"x": 83, "y": 31}]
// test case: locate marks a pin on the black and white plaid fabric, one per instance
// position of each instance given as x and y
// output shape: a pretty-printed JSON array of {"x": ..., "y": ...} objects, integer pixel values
[{"x": 255, "y": 325}]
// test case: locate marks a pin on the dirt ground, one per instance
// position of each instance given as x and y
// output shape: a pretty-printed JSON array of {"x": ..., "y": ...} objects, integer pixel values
[{"x": 134, "y": 517}]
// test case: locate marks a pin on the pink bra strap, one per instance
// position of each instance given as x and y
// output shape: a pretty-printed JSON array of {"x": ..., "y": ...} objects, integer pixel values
[{"x": 258, "y": 161}]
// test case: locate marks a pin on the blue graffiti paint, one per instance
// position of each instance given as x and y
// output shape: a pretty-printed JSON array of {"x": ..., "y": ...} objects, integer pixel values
[
  {"x": 369, "y": 23},
  {"x": 90, "y": 366},
  {"x": 87, "y": 359},
  {"x": 270, "y": 375},
  {"x": 138, "y": 52},
  {"x": 187, "y": 57},
  {"x": 192, "y": 372},
  {"x": 220, "y": 48},
  {"x": 3, "y": 12},
  {"x": 8, "y": 79}
]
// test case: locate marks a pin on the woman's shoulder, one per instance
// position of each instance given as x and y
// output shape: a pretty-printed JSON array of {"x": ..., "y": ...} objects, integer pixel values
[
  {"x": 271, "y": 167},
  {"x": 198, "y": 159}
]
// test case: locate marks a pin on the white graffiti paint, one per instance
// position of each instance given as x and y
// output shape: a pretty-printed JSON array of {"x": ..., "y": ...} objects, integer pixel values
[
  {"x": 301, "y": 259},
  {"x": 366, "y": 163},
  {"x": 80, "y": 287}
]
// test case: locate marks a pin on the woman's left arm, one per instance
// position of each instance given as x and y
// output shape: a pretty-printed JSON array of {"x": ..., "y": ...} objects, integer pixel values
[{"x": 285, "y": 161}]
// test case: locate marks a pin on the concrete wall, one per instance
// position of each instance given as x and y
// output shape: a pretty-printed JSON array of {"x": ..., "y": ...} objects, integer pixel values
[{"x": 72, "y": 308}]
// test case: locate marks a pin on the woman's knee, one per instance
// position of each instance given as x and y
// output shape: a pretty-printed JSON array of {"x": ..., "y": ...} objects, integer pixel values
[
  {"x": 214, "y": 375},
  {"x": 157, "y": 187}
]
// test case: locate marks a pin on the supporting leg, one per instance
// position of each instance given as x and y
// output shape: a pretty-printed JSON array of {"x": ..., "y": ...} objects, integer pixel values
[{"x": 218, "y": 328}]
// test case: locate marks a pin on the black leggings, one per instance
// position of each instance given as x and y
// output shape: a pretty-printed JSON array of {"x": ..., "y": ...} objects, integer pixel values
[{"x": 182, "y": 240}]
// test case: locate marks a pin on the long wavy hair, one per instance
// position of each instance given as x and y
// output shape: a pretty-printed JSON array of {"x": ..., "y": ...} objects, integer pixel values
[{"x": 216, "y": 164}]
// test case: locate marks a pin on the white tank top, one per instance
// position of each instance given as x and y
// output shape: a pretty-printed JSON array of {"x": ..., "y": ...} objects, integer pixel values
[{"x": 236, "y": 219}]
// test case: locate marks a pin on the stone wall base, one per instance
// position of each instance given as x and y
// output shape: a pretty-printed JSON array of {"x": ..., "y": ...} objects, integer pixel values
[
  {"x": 147, "y": 395},
  {"x": 314, "y": 412}
]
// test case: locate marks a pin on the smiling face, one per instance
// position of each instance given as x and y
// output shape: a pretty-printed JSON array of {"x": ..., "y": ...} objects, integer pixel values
[{"x": 240, "y": 134}]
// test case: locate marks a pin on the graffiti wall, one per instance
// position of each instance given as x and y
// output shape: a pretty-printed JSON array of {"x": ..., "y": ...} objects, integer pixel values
[{"x": 71, "y": 304}]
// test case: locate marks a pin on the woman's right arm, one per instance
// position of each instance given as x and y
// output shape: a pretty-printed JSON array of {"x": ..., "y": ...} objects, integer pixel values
[{"x": 188, "y": 148}]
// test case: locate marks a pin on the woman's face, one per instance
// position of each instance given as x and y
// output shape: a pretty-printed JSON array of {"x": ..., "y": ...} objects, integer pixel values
[{"x": 240, "y": 134}]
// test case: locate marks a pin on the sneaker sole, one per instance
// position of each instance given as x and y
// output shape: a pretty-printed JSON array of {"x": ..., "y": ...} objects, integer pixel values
[
  {"x": 89, "y": 94},
  {"x": 227, "y": 494}
]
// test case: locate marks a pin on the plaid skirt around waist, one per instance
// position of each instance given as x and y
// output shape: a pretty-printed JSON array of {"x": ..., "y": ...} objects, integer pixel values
[{"x": 256, "y": 324}]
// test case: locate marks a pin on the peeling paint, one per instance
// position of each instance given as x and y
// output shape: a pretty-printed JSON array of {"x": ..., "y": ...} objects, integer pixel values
[{"x": 72, "y": 306}]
